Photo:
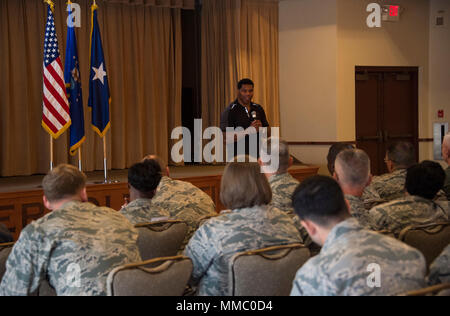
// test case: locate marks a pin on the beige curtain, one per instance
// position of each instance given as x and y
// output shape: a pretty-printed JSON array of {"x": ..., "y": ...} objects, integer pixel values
[
  {"x": 142, "y": 45},
  {"x": 239, "y": 40},
  {"x": 182, "y": 4}
]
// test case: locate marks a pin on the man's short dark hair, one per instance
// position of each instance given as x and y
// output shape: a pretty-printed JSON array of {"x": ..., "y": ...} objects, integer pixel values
[
  {"x": 245, "y": 81},
  {"x": 334, "y": 150},
  {"x": 425, "y": 179},
  {"x": 320, "y": 200},
  {"x": 162, "y": 163},
  {"x": 402, "y": 154},
  {"x": 145, "y": 176}
]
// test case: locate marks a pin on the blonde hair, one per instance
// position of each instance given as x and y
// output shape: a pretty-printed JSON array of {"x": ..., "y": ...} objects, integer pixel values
[{"x": 243, "y": 186}]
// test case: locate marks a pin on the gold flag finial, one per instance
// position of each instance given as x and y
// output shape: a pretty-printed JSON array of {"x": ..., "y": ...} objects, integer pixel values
[
  {"x": 50, "y": 3},
  {"x": 94, "y": 6},
  {"x": 69, "y": 2}
]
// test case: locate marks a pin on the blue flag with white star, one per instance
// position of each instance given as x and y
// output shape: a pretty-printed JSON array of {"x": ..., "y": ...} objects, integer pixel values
[
  {"x": 99, "y": 97},
  {"x": 72, "y": 78}
]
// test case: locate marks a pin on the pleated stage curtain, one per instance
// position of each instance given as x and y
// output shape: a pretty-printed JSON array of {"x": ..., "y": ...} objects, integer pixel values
[
  {"x": 142, "y": 45},
  {"x": 181, "y": 4},
  {"x": 239, "y": 40}
]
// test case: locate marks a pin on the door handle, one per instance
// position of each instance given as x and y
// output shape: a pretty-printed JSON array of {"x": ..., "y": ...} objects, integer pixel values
[
  {"x": 378, "y": 138},
  {"x": 393, "y": 136},
  {"x": 367, "y": 138},
  {"x": 402, "y": 136}
]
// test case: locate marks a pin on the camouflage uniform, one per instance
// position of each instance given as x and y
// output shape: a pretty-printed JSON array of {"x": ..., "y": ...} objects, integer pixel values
[
  {"x": 388, "y": 186},
  {"x": 283, "y": 186},
  {"x": 75, "y": 247},
  {"x": 185, "y": 202},
  {"x": 447, "y": 183},
  {"x": 143, "y": 211},
  {"x": 440, "y": 196},
  {"x": 216, "y": 241},
  {"x": 343, "y": 266},
  {"x": 410, "y": 210},
  {"x": 357, "y": 209},
  {"x": 371, "y": 198},
  {"x": 440, "y": 269}
]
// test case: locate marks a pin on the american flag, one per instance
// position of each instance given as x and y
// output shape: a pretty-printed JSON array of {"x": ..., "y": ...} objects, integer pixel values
[{"x": 55, "y": 117}]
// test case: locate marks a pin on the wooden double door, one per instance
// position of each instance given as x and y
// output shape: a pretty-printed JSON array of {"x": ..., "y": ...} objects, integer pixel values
[{"x": 386, "y": 110}]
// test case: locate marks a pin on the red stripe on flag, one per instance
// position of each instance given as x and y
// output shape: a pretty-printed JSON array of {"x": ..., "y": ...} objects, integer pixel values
[
  {"x": 58, "y": 79},
  {"x": 55, "y": 94},
  {"x": 49, "y": 124},
  {"x": 58, "y": 61},
  {"x": 61, "y": 83},
  {"x": 55, "y": 113}
]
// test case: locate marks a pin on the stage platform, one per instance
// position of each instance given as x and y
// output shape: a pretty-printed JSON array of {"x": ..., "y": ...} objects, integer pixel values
[{"x": 21, "y": 197}]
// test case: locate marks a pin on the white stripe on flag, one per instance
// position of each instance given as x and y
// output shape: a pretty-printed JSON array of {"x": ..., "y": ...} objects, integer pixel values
[
  {"x": 58, "y": 69},
  {"x": 55, "y": 85},
  {"x": 56, "y": 105},
  {"x": 51, "y": 118}
]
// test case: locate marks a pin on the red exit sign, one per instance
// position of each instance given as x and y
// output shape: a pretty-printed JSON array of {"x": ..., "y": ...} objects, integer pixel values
[
  {"x": 386, "y": 13},
  {"x": 393, "y": 10}
]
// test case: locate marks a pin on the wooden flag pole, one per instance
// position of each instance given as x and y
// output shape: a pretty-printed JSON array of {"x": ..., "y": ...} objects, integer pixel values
[
  {"x": 104, "y": 159},
  {"x": 51, "y": 152},
  {"x": 79, "y": 159}
]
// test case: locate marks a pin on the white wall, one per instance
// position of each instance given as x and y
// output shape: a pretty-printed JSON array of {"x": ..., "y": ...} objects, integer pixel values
[
  {"x": 439, "y": 62},
  {"x": 320, "y": 44},
  {"x": 308, "y": 48},
  {"x": 403, "y": 43}
]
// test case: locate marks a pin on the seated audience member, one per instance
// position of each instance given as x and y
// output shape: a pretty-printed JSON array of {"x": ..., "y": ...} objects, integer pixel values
[
  {"x": 252, "y": 224},
  {"x": 74, "y": 247},
  {"x": 423, "y": 182},
  {"x": 353, "y": 260},
  {"x": 440, "y": 269},
  {"x": 143, "y": 179},
  {"x": 371, "y": 197},
  {"x": 281, "y": 182},
  {"x": 334, "y": 150},
  {"x": 352, "y": 172},
  {"x": 399, "y": 157},
  {"x": 5, "y": 234},
  {"x": 181, "y": 199},
  {"x": 446, "y": 157}
]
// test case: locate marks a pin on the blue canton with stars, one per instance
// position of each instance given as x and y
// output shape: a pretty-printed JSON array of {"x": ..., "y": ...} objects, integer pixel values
[{"x": 51, "y": 50}]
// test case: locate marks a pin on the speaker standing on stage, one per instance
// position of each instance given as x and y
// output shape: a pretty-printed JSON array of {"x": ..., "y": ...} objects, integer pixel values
[{"x": 243, "y": 113}]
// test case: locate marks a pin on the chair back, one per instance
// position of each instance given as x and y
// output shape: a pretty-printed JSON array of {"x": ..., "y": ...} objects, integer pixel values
[
  {"x": 161, "y": 239},
  {"x": 169, "y": 278},
  {"x": 445, "y": 292},
  {"x": 266, "y": 272},
  {"x": 429, "y": 239},
  {"x": 436, "y": 290},
  {"x": 5, "y": 250},
  {"x": 45, "y": 289}
]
